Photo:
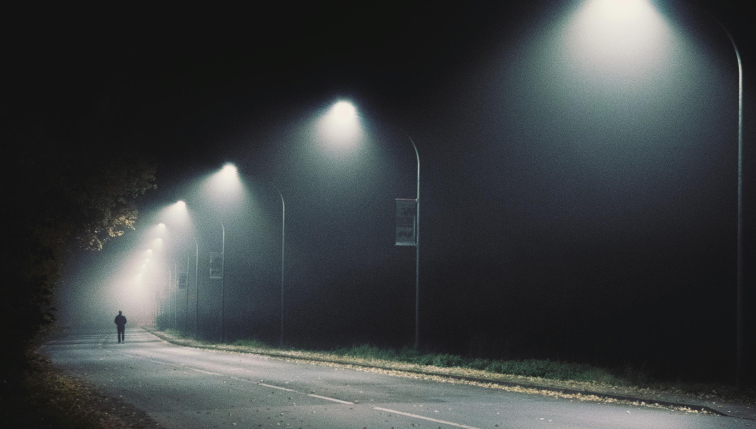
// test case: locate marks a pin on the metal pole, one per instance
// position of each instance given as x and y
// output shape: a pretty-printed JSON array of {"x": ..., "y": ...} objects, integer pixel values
[
  {"x": 417, "y": 249},
  {"x": 740, "y": 346},
  {"x": 417, "y": 239},
  {"x": 739, "y": 310},
  {"x": 186, "y": 307},
  {"x": 175, "y": 294},
  {"x": 166, "y": 306},
  {"x": 223, "y": 277},
  {"x": 283, "y": 244},
  {"x": 196, "y": 288}
]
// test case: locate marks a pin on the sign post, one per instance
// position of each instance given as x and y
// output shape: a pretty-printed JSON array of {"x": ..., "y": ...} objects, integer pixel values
[
  {"x": 216, "y": 265},
  {"x": 406, "y": 222}
]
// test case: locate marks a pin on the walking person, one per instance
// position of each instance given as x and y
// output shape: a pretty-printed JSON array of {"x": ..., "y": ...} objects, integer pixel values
[{"x": 120, "y": 322}]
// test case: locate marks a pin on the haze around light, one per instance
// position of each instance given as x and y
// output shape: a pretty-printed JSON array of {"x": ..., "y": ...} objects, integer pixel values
[
  {"x": 628, "y": 39},
  {"x": 340, "y": 125}
]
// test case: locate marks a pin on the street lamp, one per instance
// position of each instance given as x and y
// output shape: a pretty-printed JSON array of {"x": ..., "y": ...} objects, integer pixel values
[
  {"x": 740, "y": 288},
  {"x": 224, "y": 182},
  {"x": 227, "y": 181},
  {"x": 341, "y": 121},
  {"x": 231, "y": 174},
  {"x": 140, "y": 279},
  {"x": 172, "y": 267},
  {"x": 156, "y": 252},
  {"x": 610, "y": 13},
  {"x": 340, "y": 124},
  {"x": 180, "y": 212}
]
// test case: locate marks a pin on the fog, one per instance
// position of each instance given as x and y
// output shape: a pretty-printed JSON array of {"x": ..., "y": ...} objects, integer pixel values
[{"x": 578, "y": 196}]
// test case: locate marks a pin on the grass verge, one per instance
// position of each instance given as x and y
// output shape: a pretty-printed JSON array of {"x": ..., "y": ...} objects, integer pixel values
[{"x": 547, "y": 369}]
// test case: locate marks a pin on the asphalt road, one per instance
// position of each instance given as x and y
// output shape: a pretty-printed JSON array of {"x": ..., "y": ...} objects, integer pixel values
[{"x": 187, "y": 388}]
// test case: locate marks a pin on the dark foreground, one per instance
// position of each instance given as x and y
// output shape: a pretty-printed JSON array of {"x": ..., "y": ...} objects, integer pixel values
[
  {"x": 187, "y": 388},
  {"x": 46, "y": 397}
]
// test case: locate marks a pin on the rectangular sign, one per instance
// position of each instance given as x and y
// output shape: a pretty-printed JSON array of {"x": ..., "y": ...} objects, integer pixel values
[
  {"x": 183, "y": 279},
  {"x": 216, "y": 265},
  {"x": 406, "y": 222}
]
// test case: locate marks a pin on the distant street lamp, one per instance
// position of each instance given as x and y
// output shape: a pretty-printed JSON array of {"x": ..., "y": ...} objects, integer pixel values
[
  {"x": 159, "y": 246},
  {"x": 283, "y": 244},
  {"x": 343, "y": 115},
  {"x": 226, "y": 181},
  {"x": 612, "y": 10},
  {"x": 181, "y": 205},
  {"x": 172, "y": 267},
  {"x": 178, "y": 213},
  {"x": 196, "y": 288},
  {"x": 283, "y": 253},
  {"x": 151, "y": 270},
  {"x": 223, "y": 278}
]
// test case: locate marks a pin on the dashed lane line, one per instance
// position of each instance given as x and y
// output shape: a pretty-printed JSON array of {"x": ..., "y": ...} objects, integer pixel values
[
  {"x": 415, "y": 416},
  {"x": 273, "y": 387},
  {"x": 204, "y": 372},
  {"x": 330, "y": 399},
  {"x": 102, "y": 343},
  {"x": 154, "y": 360},
  {"x": 326, "y": 398}
]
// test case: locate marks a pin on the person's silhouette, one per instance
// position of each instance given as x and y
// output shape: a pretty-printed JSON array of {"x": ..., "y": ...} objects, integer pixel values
[{"x": 120, "y": 322}]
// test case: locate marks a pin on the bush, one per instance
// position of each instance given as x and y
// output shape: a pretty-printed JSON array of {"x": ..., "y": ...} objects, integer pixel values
[
  {"x": 251, "y": 343},
  {"x": 446, "y": 360},
  {"x": 424, "y": 360},
  {"x": 554, "y": 370},
  {"x": 480, "y": 364},
  {"x": 368, "y": 351}
]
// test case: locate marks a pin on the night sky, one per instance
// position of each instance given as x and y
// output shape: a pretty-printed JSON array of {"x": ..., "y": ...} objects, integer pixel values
[{"x": 578, "y": 194}]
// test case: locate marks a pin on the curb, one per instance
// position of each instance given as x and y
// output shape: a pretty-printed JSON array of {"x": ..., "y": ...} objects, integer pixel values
[{"x": 695, "y": 407}]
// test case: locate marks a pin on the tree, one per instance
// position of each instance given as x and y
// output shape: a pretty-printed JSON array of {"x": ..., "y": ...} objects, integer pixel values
[{"x": 59, "y": 191}]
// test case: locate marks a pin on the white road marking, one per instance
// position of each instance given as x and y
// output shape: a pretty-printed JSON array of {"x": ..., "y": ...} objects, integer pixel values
[
  {"x": 276, "y": 387},
  {"x": 153, "y": 360},
  {"x": 326, "y": 398},
  {"x": 102, "y": 342},
  {"x": 443, "y": 422},
  {"x": 330, "y": 399},
  {"x": 175, "y": 365},
  {"x": 295, "y": 391},
  {"x": 205, "y": 372}
]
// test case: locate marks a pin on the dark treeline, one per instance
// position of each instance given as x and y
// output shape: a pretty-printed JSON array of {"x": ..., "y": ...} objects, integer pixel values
[{"x": 70, "y": 182}]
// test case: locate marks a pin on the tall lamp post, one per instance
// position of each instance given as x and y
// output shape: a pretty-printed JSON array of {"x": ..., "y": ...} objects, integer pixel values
[
  {"x": 740, "y": 323},
  {"x": 615, "y": 8},
  {"x": 179, "y": 213},
  {"x": 283, "y": 253},
  {"x": 283, "y": 244},
  {"x": 740, "y": 340},
  {"x": 224, "y": 183},
  {"x": 232, "y": 172},
  {"x": 344, "y": 111},
  {"x": 196, "y": 289},
  {"x": 223, "y": 278}
]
